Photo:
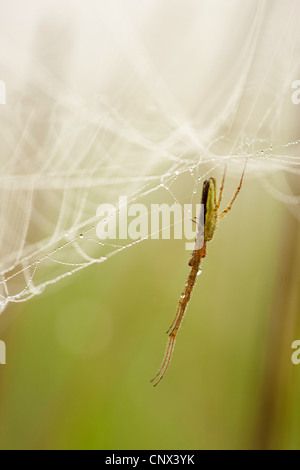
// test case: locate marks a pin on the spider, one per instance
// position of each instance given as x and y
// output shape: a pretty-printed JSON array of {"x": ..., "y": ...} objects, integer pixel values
[{"x": 211, "y": 218}]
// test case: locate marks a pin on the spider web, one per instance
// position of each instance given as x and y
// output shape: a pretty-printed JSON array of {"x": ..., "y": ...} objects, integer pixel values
[{"x": 140, "y": 99}]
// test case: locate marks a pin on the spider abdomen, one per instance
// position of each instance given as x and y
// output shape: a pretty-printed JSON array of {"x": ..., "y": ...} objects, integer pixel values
[{"x": 210, "y": 208}]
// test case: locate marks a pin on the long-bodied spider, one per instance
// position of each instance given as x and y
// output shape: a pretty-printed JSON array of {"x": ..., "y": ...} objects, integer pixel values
[{"x": 211, "y": 217}]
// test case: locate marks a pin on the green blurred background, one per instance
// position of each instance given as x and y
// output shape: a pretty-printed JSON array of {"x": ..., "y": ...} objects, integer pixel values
[
  {"x": 80, "y": 356},
  {"x": 109, "y": 98}
]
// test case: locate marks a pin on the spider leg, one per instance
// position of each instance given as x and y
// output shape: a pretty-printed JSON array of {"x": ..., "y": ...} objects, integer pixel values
[
  {"x": 185, "y": 296},
  {"x": 235, "y": 195},
  {"x": 166, "y": 361},
  {"x": 182, "y": 305},
  {"x": 221, "y": 189}
]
